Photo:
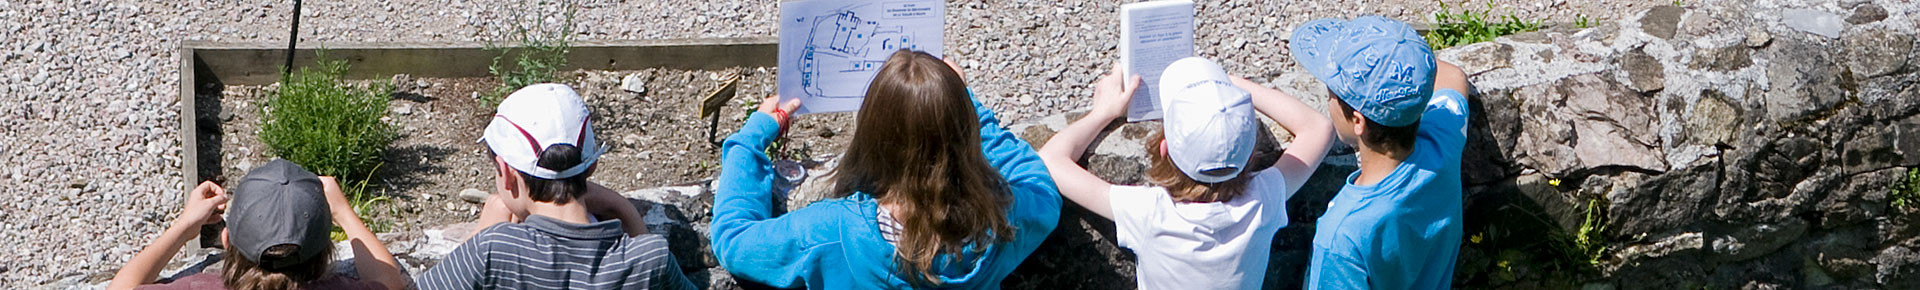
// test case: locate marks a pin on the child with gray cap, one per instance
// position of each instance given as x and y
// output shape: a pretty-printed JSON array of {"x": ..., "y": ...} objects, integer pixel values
[
  {"x": 1216, "y": 200},
  {"x": 540, "y": 228},
  {"x": 276, "y": 237},
  {"x": 1396, "y": 223}
]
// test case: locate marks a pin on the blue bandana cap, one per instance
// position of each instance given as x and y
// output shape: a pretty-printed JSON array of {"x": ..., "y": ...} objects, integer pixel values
[{"x": 1381, "y": 67}]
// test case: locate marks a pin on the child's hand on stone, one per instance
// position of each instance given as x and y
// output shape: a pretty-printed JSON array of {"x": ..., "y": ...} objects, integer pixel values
[
  {"x": 1112, "y": 93},
  {"x": 204, "y": 204}
]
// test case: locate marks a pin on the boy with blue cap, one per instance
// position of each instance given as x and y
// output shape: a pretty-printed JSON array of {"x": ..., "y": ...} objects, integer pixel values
[{"x": 1396, "y": 223}]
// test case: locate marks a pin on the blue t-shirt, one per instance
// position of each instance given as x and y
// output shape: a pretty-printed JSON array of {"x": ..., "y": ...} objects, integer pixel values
[{"x": 1404, "y": 231}]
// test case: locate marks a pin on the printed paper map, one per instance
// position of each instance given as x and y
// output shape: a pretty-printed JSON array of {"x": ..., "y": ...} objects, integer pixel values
[{"x": 831, "y": 49}]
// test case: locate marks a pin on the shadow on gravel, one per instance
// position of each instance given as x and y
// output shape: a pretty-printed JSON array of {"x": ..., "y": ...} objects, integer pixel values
[{"x": 408, "y": 166}]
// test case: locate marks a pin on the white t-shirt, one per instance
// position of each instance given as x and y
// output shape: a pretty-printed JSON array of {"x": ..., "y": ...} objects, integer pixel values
[{"x": 1215, "y": 245}]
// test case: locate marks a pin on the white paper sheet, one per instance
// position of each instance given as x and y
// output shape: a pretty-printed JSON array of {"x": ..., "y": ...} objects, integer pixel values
[
  {"x": 831, "y": 49},
  {"x": 1153, "y": 35}
]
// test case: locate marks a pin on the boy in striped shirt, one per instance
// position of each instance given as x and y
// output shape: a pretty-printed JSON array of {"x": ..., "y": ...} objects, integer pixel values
[{"x": 539, "y": 226}]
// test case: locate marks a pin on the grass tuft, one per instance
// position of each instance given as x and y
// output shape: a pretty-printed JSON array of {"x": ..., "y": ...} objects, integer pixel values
[
  {"x": 540, "y": 51},
  {"x": 1904, "y": 193},
  {"x": 1468, "y": 26}
]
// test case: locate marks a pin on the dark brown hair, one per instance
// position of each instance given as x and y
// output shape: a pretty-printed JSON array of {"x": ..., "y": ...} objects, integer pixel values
[
  {"x": 556, "y": 157},
  {"x": 242, "y": 274},
  {"x": 917, "y": 148},
  {"x": 1161, "y": 171},
  {"x": 1386, "y": 139}
]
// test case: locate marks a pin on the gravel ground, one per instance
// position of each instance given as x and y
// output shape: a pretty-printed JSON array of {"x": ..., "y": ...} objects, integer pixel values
[{"x": 90, "y": 106}]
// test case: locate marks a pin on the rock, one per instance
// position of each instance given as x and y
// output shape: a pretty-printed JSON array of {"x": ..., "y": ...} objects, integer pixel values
[
  {"x": 1843, "y": 253},
  {"x": 1567, "y": 212},
  {"x": 1757, "y": 240},
  {"x": 1817, "y": 22},
  {"x": 1644, "y": 72},
  {"x": 1037, "y": 135},
  {"x": 1493, "y": 129},
  {"x": 1663, "y": 247},
  {"x": 1877, "y": 52},
  {"x": 1664, "y": 203},
  {"x": 1715, "y": 120},
  {"x": 635, "y": 83},
  {"x": 1723, "y": 59},
  {"x": 1662, "y": 21},
  {"x": 1803, "y": 80},
  {"x": 475, "y": 196},
  {"x": 1582, "y": 122},
  {"x": 403, "y": 109},
  {"x": 1117, "y": 169},
  {"x": 1899, "y": 268},
  {"x": 1867, "y": 13},
  {"x": 1757, "y": 37},
  {"x": 1479, "y": 57}
]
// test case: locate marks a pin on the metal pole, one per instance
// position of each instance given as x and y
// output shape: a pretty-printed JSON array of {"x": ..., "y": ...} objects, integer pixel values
[{"x": 293, "y": 39}]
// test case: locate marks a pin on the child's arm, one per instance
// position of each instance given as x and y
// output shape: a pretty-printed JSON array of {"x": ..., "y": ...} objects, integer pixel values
[
  {"x": 203, "y": 205},
  {"x": 1312, "y": 132},
  {"x": 1110, "y": 98},
  {"x": 1448, "y": 76},
  {"x": 604, "y": 202},
  {"x": 492, "y": 212},
  {"x": 371, "y": 259},
  {"x": 747, "y": 239}
]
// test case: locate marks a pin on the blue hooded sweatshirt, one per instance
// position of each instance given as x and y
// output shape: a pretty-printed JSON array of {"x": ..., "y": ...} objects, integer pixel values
[{"x": 836, "y": 243}]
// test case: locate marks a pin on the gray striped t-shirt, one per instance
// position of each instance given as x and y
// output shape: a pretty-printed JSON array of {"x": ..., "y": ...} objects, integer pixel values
[{"x": 545, "y": 253}]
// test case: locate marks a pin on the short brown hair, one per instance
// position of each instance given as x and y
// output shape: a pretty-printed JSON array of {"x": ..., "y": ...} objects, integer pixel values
[
  {"x": 1162, "y": 172},
  {"x": 1387, "y": 139},
  {"x": 557, "y": 157}
]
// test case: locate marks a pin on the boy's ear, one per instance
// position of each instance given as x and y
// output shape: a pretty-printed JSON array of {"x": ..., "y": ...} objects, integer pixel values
[
  {"x": 1359, "y": 123},
  {"x": 504, "y": 176}
]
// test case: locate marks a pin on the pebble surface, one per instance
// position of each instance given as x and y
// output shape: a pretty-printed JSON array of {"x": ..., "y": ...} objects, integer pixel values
[{"x": 89, "y": 105}]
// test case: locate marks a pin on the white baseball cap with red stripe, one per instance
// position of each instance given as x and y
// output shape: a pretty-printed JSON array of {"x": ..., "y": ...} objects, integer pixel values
[{"x": 538, "y": 116}]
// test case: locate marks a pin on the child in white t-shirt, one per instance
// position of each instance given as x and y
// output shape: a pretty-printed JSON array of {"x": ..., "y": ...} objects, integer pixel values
[{"x": 1208, "y": 219}]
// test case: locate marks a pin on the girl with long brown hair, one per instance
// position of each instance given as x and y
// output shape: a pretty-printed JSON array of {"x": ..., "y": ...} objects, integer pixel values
[{"x": 931, "y": 192}]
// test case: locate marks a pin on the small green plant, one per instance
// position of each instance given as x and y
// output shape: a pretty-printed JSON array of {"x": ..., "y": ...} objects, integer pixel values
[
  {"x": 368, "y": 207},
  {"x": 1581, "y": 21},
  {"x": 327, "y": 126},
  {"x": 1468, "y": 26},
  {"x": 1905, "y": 191},
  {"x": 1587, "y": 238},
  {"x": 540, "y": 52}
]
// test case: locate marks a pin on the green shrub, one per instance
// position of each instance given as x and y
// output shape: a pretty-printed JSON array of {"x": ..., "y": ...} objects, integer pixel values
[
  {"x": 1468, "y": 26},
  {"x": 327, "y": 126},
  {"x": 540, "y": 52}
]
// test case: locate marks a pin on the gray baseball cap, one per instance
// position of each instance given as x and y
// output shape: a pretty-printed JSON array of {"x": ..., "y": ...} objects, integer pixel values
[{"x": 279, "y": 203}]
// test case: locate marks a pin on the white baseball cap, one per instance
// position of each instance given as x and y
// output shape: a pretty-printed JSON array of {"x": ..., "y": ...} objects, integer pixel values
[
  {"x": 538, "y": 116},
  {"x": 1209, "y": 122}
]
